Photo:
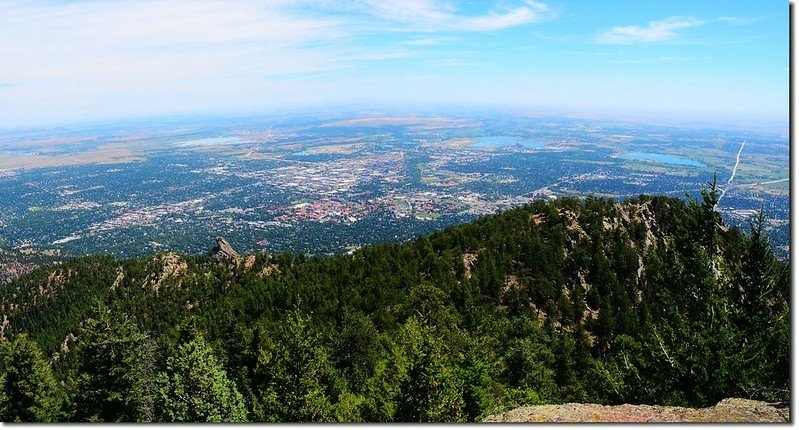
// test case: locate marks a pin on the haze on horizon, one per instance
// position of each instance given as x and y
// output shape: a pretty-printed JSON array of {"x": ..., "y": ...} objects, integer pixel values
[{"x": 68, "y": 61}]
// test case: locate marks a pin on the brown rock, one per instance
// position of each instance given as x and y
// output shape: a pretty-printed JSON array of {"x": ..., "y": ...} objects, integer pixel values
[
  {"x": 224, "y": 251},
  {"x": 726, "y": 411}
]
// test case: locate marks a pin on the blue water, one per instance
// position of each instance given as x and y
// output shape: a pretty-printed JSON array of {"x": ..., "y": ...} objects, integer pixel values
[
  {"x": 497, "y": 141},
  {"x": 302, "y": 153},
  {"x": 530, "y": 144},
  {"x": 662, "y": 158}
]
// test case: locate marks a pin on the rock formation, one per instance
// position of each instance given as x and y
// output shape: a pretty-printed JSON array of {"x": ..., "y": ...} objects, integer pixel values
[
  {"x": 726, "y": 411},
  {"x": 224, "y": 251}
]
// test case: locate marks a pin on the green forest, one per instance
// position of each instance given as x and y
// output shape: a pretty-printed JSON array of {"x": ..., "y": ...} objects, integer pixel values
[{"x": 651, "y": 300}]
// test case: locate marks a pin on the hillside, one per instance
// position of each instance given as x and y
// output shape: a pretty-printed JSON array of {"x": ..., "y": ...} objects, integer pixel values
[
  {"x": 15, "y": 263},
  {"x": 651, "y": 300}
]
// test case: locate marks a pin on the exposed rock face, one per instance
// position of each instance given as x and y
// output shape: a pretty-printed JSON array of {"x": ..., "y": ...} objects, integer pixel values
[
  {"x": 10, "y": 270},
  {"x": 55, "y": 281},
  {"x": 726, "y": 411},
  {"x": 172, "y": 266},
  {"x": 469, "y": 261},
  {"x": 223, "y": 251},
  {"x": 120, "y": 277},
  {"x": 269, "y": 270},
  {"x": 15, "y": 263}
]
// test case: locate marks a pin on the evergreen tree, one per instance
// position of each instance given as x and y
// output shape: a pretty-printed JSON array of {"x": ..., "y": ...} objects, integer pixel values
[
  {"x": 195, "y": 387},
  {"x": 115, "y": 370},
  {"x": 553, "y": 310},
  {"x": 29, "y": 390},
  {"x": 356, "y": 346},
  {"x": 429, "y": 388},
  {"x": 758, "y": 268},
  {"x": 294, "y": 377}
]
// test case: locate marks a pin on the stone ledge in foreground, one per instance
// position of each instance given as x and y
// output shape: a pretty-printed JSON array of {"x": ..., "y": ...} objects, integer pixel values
[{"x": 726, "y": 411}]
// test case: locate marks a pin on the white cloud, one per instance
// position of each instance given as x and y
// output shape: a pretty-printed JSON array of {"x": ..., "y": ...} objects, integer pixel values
[
  {"x": 433, "y": 15},
  {"x": 496, "y": 21},
  {"x": 62, "y": 60},
  {"x": 422, "y": 42},
  {"x": 655, "y": 31},
  {"x": 453, "y": 63},
  {"x": 665, "y": 58},
  {"x": 734, "y": 20},
  {"x": 67, "y": 59},
  {"x": 417, "y": 12}
]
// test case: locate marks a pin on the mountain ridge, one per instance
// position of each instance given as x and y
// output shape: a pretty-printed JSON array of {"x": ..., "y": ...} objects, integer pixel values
[{"x": 574, "y": 300}]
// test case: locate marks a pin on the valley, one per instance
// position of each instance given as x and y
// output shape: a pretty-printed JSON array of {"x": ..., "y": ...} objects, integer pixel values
[{"x": 328, "y": 183}]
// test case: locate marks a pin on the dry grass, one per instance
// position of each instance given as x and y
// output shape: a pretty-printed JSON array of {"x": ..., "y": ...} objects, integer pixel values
[{"x": 106, "y": 154}]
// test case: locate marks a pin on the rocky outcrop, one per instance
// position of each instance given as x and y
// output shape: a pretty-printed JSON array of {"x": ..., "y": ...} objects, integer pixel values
[
  {"x": 469, "y": 262},
  {"x": 269, "y": 270},
  {"x": 10, "y": 270},
  {"x": 15, "y": 263},
  {"x": 726, "y": 411},
  {"x": 223, "y": 251},
  {"x": 172, "y": 266},
  {"x": 120, "y": 277}
]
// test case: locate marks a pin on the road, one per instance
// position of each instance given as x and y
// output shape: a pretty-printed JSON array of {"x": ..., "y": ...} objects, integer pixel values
[
  {"x": 737, "y": 162},
  {"x": 732, "y": 177}
]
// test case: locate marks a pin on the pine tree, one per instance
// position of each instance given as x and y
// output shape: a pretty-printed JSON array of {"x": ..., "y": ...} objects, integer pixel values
[
  {"x": 760, "y": 349},
  {"x": 294, "y": 376},
  {"x": 115, "y": 370},
  {"x": 356, "y": 348},
  {"x": 429, "y": 387},
  {"x": 758, "y": 269},
  {"x": 29, "y": 390},
  {"x": 195, "y": 388}
]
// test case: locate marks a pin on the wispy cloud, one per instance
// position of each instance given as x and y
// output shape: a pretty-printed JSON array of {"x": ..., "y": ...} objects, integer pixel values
[
  {"x": 64, "y": 60},
  {"x": 143, "y": 56},
  {"x": 531, "y": 12},
  {"x": 433, "y": 15},
  {"x": 109, "y": 57},
  {"x": 619, "y": 52},
  {"x": 140, "y": 40},
  {"x": 453, "y": 63},
  {"x": 357, "y": 55},
  {"x": 421, "y": 42},
  {"x": 654, "y": 31},
  {"x": 661, "y": 59},
  {"x": 735, "y": 20}
]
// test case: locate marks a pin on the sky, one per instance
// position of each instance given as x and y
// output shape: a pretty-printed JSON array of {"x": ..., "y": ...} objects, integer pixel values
[{"x": 77, "y": 61}]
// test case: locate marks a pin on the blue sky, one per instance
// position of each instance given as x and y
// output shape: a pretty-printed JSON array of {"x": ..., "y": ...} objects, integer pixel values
[{"x": 66, "y": 61}]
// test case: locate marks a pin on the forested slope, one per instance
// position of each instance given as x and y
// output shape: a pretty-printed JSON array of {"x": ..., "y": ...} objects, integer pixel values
[{"x": 651, "y": 300}]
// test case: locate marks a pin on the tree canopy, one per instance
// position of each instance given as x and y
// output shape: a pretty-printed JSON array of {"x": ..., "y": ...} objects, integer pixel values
[{"x": 651, "y": 300}]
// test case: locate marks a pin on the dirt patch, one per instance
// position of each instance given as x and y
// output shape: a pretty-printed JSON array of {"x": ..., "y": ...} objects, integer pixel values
[{"x": 105, "y": 154}]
